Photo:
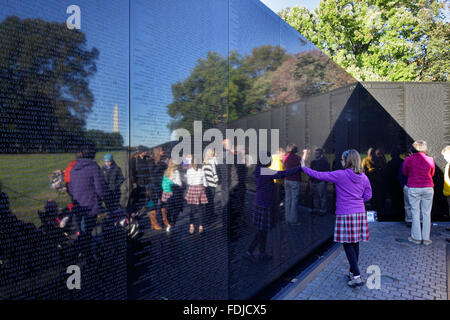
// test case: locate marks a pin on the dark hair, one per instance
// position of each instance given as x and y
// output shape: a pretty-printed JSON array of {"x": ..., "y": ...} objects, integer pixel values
[
  {"x": 371, "y": 154},
  {"x": 320, "y": 150},
  {"x": 292, "y": 148},
  {"x": 88, "y": 150}
]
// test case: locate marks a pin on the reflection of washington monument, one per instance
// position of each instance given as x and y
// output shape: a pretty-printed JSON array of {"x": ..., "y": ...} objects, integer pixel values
[{"x": 116, "y": 118}]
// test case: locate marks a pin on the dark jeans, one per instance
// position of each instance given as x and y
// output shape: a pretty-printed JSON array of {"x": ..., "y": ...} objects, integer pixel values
[
  {"x": 85, "y": 224},
  {"x": 259, "y": 240},
  {"x": 210, "y": 212},
  {"x": 352, "y": 253},
  {"x": 196, "y": 214}
]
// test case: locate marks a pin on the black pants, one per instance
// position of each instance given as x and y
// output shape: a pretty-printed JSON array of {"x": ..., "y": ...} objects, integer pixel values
[
  {"x": 259, "y": 240},
  {"x": 196, "y": 214},
  {"x": 85, "y": 240},
  {"x": 210, "y": 212},
  {"x": 112, "y": 200},
  {"x": 352, "y": 253}
]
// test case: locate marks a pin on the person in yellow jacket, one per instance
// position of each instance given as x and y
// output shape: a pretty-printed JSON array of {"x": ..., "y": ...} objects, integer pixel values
[{"x": 277, "y": 165}]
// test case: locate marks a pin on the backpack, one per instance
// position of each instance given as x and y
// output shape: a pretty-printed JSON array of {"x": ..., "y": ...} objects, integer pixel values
[
  {"x": 134, "y": 232},
  {"x": 57, "y": 181}
]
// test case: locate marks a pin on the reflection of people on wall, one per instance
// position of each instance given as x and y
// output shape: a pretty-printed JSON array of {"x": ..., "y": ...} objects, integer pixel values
[
  {"x": 373, "y": 167},
  {"x": 263, "y": 207},
  {"x": 352, "y": 190},
  {"x": 170, "y": 196},
  {"x": 392, "y": 183},
  {"x": 319, "y": 188},
  {"x": 292, "y": 185},
  {"x": 241, "y": 165},
  {"x": 277, "y": 165},
  {"x": 232, "y": 177},
  {"x": 337, "y": 165},
  {"x": 113, "y": 179},
  {"x": 196, "y": 196},
  {"x": 157, "y": 167},
  {"x": 139, "y": 179},
  {"x": 87, "y": 188},
  {"x": 212, "y": 179},
  {"x": 446, "y": 153},
  {"x": 187, "y": 162},
  {"x": 420, "y": 168}
]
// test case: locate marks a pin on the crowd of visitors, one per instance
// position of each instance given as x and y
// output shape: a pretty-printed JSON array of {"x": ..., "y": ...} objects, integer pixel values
[{"x": 161, "y": 189}]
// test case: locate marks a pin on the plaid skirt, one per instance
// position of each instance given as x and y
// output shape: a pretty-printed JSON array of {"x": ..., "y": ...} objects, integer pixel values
[
  {"x": 196, "y": 195},
  {"x": 166, "y": 196},
  {"x": 351, "y": 228},
  {"x": 262, "y": 218}
]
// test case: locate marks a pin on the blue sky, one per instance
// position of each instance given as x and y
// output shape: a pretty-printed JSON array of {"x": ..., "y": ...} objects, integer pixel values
[
  {"x": 167, "y": 39},
  {"x": 278, "y": 5}
]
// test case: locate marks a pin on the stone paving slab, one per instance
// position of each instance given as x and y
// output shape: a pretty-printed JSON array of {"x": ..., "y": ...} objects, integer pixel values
[{"x": 408, "y": 271}]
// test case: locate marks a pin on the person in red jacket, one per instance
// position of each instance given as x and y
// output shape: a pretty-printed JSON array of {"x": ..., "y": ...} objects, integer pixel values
[{"x": 419, "y": 169}]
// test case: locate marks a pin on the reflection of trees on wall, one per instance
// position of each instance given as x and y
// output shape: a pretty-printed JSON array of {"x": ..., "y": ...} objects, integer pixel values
[
  {"x": 221, "y": 89},
  {"x": 44, "y": 88},
  {"x": 305, "y": 74}
]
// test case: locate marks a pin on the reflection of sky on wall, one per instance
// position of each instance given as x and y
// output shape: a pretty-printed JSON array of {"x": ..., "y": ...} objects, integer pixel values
[
  {"x": 174, "y": 46},
  {"x": 278, "y": 5},
  {"x": 167, "y": 39},
  {"x": 105, "y": 24},
  {"x": 252, "y": 25}
]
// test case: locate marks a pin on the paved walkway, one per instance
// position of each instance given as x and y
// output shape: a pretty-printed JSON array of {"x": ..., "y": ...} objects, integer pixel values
[{"x": 408, "y": 271}]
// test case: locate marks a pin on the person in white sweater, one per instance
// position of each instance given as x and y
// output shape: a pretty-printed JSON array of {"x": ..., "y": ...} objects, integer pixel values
[{"x": 196, "y": 196}]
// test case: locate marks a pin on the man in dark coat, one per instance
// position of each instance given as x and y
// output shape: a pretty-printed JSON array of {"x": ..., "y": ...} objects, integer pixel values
[
  {"x": 319, "y": 188},
  {"x": 87, "y": 188},
  {"x": 232, "y": 181},
  {"x": 139, "y": 179},
  {"x": 113, "y": 180}
]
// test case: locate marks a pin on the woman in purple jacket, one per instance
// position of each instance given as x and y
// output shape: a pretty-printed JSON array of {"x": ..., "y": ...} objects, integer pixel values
[
  {"x": 352, "y": 190},
  {"x": 263, "y": 206}
]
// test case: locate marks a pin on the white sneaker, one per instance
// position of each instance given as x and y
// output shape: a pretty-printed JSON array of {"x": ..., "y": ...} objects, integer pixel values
[
  {"x": 427, "y": 242},
  {"x": 355, "y": 282},
  {"x": 414, "y": 240}
]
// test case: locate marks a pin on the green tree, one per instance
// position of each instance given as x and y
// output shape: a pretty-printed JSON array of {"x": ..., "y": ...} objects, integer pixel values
[
  {"x": 406, "y": 40},
  {"x": 221, "y": 89},
  {"x": 304, "y": 74},
  {"x": 44, "y": 92}
]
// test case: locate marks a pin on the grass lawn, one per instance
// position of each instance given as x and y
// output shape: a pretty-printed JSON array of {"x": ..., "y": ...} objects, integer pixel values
[{"x": 25, "y": 179}]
